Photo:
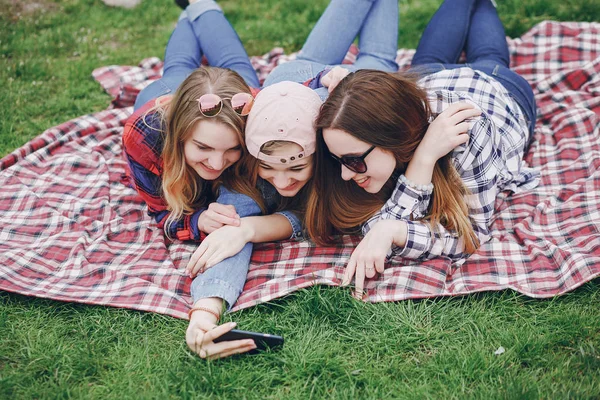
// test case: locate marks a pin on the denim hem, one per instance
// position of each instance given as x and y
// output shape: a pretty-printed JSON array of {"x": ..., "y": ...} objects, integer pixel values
[
  {"x": 297, "y": 232},
  {"x": 195, "y": 10},
  {"x": 202, "y": 289}
]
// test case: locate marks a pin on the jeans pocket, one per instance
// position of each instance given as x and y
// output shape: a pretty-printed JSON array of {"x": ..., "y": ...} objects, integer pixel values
[{"x": 295, "y": 71}]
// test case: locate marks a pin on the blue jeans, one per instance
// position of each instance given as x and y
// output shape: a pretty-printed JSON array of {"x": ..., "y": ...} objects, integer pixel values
[
  {"x": 473, "y": 26},
  {"x": 201, "y": 30},
  {"x": 226, "y": 279},
  {"x": 376, "y": 23}
]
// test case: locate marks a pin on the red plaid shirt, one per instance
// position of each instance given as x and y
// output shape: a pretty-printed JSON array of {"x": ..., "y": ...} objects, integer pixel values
[{"x": 143, "y": 142}]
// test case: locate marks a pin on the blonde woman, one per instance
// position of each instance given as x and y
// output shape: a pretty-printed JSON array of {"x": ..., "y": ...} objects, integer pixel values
[{"x": 183, "y": 144}]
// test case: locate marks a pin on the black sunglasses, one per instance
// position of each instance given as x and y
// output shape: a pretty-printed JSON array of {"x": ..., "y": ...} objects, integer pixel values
[{"x": 354, "y": 163}]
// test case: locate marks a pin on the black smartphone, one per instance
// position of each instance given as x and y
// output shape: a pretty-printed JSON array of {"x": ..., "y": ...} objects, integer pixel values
[{"x": 263, "y": 341}]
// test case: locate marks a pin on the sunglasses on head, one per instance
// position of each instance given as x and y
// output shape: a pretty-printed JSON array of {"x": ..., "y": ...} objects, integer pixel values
[
  {"x": 354, "y": 163},
  {"x": 210, "y": 105}
]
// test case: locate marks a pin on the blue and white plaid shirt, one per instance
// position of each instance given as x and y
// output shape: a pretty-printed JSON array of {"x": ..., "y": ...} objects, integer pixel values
[{"x": 491, "y": 161}]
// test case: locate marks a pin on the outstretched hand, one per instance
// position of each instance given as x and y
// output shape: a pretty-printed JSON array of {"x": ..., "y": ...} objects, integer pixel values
[
  {"x": 202, "y": 332},
  {"x": 369, "y": 256}
]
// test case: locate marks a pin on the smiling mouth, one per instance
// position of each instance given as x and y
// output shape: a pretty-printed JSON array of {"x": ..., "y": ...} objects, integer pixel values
[
  {"x": 209, "y": 168},
  {"x": 290, "y": 187},
  {"x": 361, "y": 182}
]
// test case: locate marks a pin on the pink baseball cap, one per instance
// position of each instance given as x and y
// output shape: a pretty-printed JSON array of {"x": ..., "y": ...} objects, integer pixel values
[{"x": 283, "y": 111}]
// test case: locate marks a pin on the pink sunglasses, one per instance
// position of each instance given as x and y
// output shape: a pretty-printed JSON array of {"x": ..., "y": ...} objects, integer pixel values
[{"x": 210, "y": 105}]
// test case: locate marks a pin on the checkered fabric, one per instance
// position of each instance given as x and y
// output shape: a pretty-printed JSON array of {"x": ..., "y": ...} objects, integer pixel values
[{"x": 72, "y": 230}]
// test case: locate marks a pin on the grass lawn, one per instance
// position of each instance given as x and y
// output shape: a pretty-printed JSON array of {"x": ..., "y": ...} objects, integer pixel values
[{"x": 336, "y": 347}]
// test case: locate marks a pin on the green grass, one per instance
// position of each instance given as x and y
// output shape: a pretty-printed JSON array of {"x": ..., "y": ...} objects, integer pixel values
[{"x": 336, "y": 347}]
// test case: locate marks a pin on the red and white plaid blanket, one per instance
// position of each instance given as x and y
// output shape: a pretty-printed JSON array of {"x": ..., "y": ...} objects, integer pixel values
[{"x": 71, "y": 230}]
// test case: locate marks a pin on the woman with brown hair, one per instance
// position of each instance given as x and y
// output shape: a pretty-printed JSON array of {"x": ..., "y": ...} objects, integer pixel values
[{"x": 415, "y": 188}]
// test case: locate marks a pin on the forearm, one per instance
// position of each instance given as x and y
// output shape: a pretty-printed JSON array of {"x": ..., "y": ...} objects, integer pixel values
[
  {"x": 208, "y": 308},
  {"x": 400, "y": 232},
  {"x": 420, "y": 169},
  {"x": 267, "y": 228}
]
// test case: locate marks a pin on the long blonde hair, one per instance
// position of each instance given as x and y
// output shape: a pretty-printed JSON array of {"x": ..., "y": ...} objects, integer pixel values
[
  {"x": 183, "y": 190},
  {"x": 391, "y": 112}
]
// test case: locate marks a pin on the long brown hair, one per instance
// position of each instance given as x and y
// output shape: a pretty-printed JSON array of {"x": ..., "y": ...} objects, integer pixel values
[
  {"x": 182, "y": 188},
  {"x": 391, "y": 112}
]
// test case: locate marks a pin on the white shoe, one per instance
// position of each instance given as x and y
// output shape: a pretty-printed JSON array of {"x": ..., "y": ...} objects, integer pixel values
[{"x": 122, "y": 3}]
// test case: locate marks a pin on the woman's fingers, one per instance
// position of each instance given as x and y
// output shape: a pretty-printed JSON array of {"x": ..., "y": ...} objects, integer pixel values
[
  {"x": 380, "y": 264},
  {"x": 191, "y": 338},
  {"x": 239, "y": 350},
  {"x": 227, "y": 210},
  {"x": 193, "y": 267},
  {"x": 218, "y": 331},
  {"x": 349, "y": 272},
  {"x": 359, "y": 280},
  {"x": 370, "y": 269},
  {"x": 221, "y": 218},
  {"x": 464, "y": 115},
  {"x": 207, "y": 255},
  {"x": 216, "y": 258},
  {"x": 463, "y": 127},
  {"x": 218, "y": 350},
  {"x": 457, "y": 107}
]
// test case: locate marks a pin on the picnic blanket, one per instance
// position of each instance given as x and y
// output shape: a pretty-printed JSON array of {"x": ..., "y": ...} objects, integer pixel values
[{"x": 71, "y": 229}]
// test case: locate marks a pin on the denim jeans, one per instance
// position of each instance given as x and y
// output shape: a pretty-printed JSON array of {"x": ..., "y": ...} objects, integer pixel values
[
  {"x": 226, "y": 279},
  {"x": 472, "y": 26},
  {"x": 202, "y": 30},
  {"x": 376, "y": 23}
]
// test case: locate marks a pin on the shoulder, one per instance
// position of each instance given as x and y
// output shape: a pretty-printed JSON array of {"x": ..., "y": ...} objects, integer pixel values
[
  {"x": 144, "y": 126},
  {"x": 143, "y": 136}
]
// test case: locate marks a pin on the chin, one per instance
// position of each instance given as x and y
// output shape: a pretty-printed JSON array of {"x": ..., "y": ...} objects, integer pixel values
[
  {"x": 373, "y": 189},
  {"x": 288, "y": 193},
  {"x": 208, "y": 176}
]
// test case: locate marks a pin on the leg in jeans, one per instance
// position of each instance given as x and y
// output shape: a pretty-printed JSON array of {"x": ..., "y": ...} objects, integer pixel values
[
  {"x": 446, "y": 33},
  {"x": 378, "y": 40},
  {"x": 226, "y": 279},
  {"x": 221, "y": 44},
  {"x": 487, "y": 51},
  {"x": 201, "y": 30},
  {"x": 376, "y": 23},
  {"x": 327, "y": 43},
  {"x": 329, "y": 40},
  {"x": 182, "y": 56},
  {"x": 486, "y": 39}
]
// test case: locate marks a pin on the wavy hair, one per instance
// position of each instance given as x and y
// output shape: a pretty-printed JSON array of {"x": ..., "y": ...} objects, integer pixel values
[
  {"x": 182, "y": 188},
  {"x": 391, "y": 112}
]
